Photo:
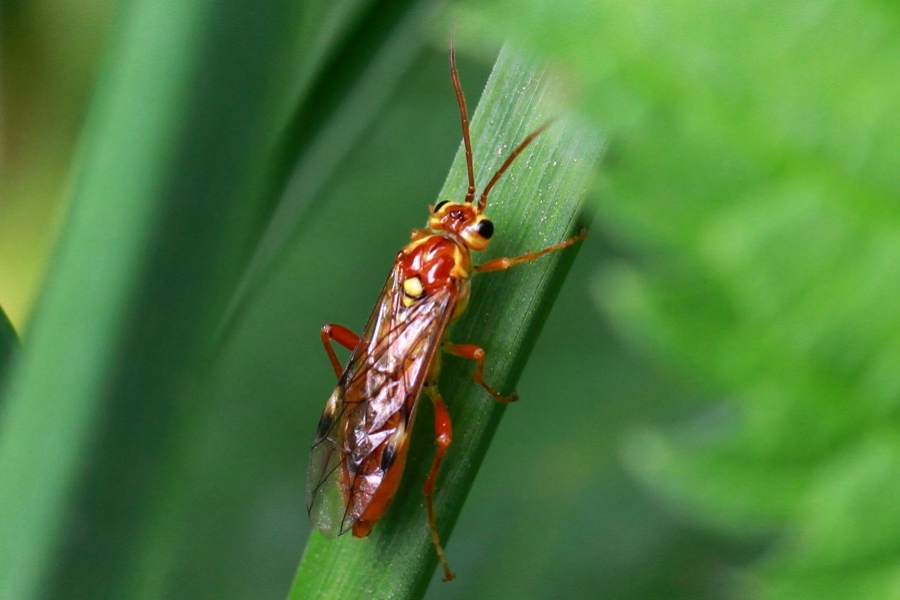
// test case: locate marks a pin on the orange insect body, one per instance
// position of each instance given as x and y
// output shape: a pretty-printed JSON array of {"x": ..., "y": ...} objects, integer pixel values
[{"x": 361, "y": 444}]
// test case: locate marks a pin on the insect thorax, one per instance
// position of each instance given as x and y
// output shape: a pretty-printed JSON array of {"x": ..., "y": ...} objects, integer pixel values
[{"x": 433, "y": 265}]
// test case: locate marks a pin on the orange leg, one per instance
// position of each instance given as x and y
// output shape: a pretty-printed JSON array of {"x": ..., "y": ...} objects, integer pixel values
[
  {"x": 443, "y": 430},
  {"x": 499, "y": 264},
  {"x": 475, "y": 353},
  {"x": 341, "y": 335}
]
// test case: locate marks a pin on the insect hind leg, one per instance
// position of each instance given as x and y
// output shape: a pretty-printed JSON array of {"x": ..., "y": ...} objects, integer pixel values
[
  {"x": 443, "y": 434},
  {"x": 476, "y": 353},
  {"x": 341, "y": 335}
]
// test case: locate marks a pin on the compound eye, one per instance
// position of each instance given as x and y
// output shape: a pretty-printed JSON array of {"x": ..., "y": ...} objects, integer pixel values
[
  {"x": 485, "y": 228},
  {"x": 440, "y": 204}
]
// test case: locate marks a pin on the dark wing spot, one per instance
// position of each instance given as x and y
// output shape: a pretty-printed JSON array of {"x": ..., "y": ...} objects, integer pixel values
[
  {"x": 325, "y": 424},
  {"x": 388, "y": 456}
]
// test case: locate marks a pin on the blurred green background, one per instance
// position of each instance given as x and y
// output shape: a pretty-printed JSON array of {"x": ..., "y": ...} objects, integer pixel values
[{"x": 711, "y": 410}]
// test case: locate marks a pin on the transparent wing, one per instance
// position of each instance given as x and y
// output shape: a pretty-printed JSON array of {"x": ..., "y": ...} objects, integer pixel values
[{"x": 367, "y": 417}]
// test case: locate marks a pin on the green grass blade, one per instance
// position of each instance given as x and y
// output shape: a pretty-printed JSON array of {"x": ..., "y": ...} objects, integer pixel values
[
  {"x": 166, "y": 195},
  {"x": 535, "y": 205}
]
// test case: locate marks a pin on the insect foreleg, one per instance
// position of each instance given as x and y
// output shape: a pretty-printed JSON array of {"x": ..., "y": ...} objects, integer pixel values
[
  {"x": 475, "y": 353},
  {"x": 443, "y": 433},
  {"x": 499, "y": 264},
  {"x": 341, "y": 335}
]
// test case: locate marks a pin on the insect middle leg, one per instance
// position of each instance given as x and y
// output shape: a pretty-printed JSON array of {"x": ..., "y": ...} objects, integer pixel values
[
  {"x": 500, "y": 264},
  {"x": 476, "y": 353},
  {"x": 341, "y": 335},
  {"x": 443, "y": 434}
]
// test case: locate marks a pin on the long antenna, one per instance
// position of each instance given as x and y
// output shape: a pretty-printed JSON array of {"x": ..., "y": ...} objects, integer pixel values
[
  {"x": 464, "y": 116},
  {"x": 482, "y": 201}
]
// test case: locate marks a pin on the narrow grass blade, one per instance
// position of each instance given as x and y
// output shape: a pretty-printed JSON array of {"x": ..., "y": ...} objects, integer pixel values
[{"x": 536, "y": 204}]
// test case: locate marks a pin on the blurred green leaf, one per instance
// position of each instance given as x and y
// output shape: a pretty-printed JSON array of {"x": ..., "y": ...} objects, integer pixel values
[
  {"x": 330, "y": 120},
  {"x": 755, "y": 170},
  {"x": 167, "y": 195}
]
